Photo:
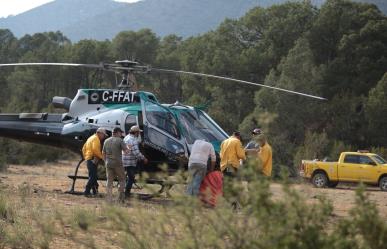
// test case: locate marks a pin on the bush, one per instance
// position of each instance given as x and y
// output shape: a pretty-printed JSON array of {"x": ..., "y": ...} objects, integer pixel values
[
  {"x": 7, "y": 213},
  {"x": 3, "y": 163},
  {"x": 259, "y": 221},
  {"x": 315, "y": 147}
]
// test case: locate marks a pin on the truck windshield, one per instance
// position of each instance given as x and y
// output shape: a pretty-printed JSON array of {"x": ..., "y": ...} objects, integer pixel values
[
  {"x": 196, "y": 125},
  {"x": 379, "y": 159}
]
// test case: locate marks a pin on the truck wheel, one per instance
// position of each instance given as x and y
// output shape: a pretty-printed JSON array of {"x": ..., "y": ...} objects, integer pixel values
[
  {"x": 383, "y": 183},
  {"x": 332, "y": 184},
  {"x": 320, "y": 180}
]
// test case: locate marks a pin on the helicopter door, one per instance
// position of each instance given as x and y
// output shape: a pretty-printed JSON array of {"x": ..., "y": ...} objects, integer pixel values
[
  {"x": 130, "y": 120},
  {"x": 161, "y": 130}
]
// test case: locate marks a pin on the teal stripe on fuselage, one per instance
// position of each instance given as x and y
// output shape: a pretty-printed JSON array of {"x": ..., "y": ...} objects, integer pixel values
[{"x": 129, "y": 108}]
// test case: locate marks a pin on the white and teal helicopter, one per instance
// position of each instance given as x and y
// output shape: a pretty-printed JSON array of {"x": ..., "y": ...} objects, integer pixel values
[{"x": 169, "y": 130}]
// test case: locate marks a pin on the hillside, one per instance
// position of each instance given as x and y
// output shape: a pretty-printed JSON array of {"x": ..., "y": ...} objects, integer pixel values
[
  {"x": 56, "y": 15},
  {"x": 103, "y": 19}
]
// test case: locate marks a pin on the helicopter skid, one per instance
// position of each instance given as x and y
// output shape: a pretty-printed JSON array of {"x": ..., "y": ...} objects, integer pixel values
[{"x": 165, "y": 186}]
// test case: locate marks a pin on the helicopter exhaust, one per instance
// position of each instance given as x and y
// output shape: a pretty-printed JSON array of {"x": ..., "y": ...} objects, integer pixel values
[{"x": 61, "y": 102}]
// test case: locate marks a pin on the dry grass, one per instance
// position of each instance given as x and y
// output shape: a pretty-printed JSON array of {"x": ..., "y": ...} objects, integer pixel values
[{"x": 36, "y": 213}]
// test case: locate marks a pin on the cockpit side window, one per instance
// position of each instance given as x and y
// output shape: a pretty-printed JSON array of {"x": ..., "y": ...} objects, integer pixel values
[
  {"x": 129, "y": 122},
  {"x": 161, "y": 118}
]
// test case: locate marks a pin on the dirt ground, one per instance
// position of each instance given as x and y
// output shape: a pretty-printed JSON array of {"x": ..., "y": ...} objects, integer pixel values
[
  {"x": 52, "y": 180},
  {"x": 49, "y": 182}
]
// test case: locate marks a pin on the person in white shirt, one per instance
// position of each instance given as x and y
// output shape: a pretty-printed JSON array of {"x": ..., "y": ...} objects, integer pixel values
[{"x": 197, "y": 165}]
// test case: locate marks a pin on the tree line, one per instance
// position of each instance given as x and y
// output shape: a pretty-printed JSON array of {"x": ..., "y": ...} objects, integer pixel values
[{"x": 338, "y": 51}]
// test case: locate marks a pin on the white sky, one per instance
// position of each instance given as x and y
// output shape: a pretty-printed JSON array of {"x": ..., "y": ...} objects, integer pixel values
[{"x": 14, "y": 7}]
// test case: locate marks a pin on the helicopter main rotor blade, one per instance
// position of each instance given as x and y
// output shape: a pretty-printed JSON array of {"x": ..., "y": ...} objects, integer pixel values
[
  {"x": 236, "y": 80},
  {"x": 101, "y": 66}
]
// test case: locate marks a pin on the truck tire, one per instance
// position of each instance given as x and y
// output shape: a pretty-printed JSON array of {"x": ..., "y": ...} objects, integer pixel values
[
  {"x": 383, "y": 183},
  {"x": 332, "y": 184},
  {"x": 320, "y": 180}
]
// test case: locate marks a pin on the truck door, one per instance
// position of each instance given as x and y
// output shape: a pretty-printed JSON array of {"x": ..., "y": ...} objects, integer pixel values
[
  {"x": 161, "y": 131},
  {"x": 370, "y": 171},
  {"x": 350, "y": 169}
]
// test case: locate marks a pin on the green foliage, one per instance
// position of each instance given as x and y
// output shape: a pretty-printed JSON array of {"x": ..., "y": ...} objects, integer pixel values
[
  {"x": 141, "y": 45},
  {"x": 375, "y": 107},
  {"x": 21, "y": 236},
  {"x": 3, "y": 163},
  {"x": 30, "y": 154},
  {"x": 336, "y": 149},
  {"x": 6, "y": 212},
  {"x": 338, "y": 51},
  {"x": 259, "y": 221},
  {"x": 83, "y": 219},
  {"x": 315, "y": 147},
  {"x": 365, "y": 229}
]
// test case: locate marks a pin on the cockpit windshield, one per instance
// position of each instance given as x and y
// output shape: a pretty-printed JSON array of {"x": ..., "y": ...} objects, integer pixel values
[{"x": 197, "y": 125}]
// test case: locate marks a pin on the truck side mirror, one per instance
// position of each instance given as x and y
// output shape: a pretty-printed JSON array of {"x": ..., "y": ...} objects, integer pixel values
[{"x": 372, "y": 163}]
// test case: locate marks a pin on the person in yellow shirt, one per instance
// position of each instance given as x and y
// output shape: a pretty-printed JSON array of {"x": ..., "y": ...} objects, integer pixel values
[
  {"x": 231, "y": 152},
  {"x": 265, "y": 154},
  {"x": 92, "y": 153}
]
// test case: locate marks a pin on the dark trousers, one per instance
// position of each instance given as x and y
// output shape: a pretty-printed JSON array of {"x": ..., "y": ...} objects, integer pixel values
[
  {"x": 92, "y": 183},
  {"x": 130, "y": 175}
]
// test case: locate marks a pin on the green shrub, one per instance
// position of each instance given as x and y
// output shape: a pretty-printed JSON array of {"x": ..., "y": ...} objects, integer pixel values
[
  {"x": 15, "y": 152},
  {"x": 259, "y": 222},
  {"x": 315, "y": 146},
  {"x": 22, "y": 236},
  {"x": 3, "y": 162},
  {"x": 7, "y": 214},
  {"x": 83, "y": 219}
]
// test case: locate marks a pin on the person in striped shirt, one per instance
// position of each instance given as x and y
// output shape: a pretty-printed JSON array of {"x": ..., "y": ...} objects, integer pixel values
[{"x": 132, "y": 157}]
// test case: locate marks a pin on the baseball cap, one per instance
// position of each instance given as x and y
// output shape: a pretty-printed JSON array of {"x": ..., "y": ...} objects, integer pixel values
[
  {"x": 135, "y": 128},
  {"x": 102, "y": 130},
  {"x": 117, "y": 129},
  {"x": 257, "y": 131}
]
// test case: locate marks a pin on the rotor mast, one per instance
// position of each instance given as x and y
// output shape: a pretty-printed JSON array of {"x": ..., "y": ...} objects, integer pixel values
[{"x": 128, "y": 79}]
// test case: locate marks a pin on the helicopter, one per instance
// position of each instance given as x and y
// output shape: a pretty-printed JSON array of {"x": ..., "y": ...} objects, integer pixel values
[{"x": 169, "y": 130}]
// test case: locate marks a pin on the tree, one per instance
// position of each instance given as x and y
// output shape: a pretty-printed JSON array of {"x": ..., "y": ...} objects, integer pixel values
[
  {"x": 375, "y": 109},
  {"x": 141, "y": 45},
  {"x": 350, "y": 39},
  {"x": 293, "y": 115},
  {"x": 8, "y": 54},
  {"x": 167, "y": 87}
]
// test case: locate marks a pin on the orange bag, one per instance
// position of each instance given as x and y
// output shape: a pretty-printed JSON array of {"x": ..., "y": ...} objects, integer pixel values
[{"x": 211, "y": 188}]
